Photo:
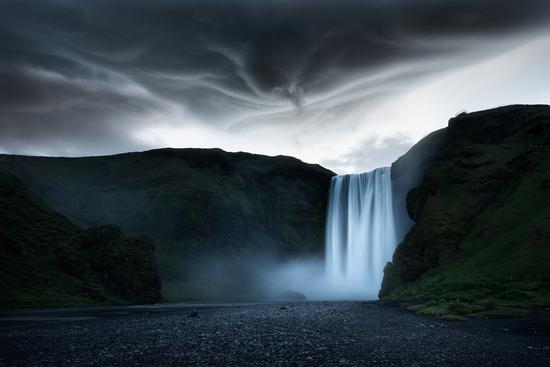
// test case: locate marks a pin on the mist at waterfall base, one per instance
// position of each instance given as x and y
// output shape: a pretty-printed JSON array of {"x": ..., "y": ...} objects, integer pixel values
[
  {"x": 366, "y": 219},
  {"x": 361, "y": 236}
]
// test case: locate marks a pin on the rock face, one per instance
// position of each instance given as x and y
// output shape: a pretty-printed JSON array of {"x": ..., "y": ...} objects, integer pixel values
[
  {"x": 208, "y": 211},
  {"x": 125, "y": 264},
  {"x": 45, "y": 260},
  {"x": 482, "y": 213},
  {"x": 407, "y": 173}
]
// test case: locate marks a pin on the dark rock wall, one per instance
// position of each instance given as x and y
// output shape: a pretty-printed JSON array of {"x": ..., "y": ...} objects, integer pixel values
[
  {"x": 199, "y": 205},
  {"x": 45, "y": 260},
  {"x": 407, "y": 173},
  {"x": 481, "y": 210}
]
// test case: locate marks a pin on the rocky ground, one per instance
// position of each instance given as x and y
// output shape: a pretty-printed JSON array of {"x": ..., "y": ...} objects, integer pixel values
[{"x": 268, "y": 334}]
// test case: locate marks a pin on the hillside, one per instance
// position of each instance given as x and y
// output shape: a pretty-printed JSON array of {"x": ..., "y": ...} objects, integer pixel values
[
  {"x": 208, "y": 211},
  {"x": 45, "y": 260},
  {"x": 481, "y": 239}
]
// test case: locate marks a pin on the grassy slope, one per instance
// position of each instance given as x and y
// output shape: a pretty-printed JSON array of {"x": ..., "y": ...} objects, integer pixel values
[
  {"x": 481, "y": 242},
  {"x": 196, "y": 203},
  {"x": 45, "y": 260}
]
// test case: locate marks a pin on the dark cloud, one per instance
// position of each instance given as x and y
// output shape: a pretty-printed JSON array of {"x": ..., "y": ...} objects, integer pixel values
[{"x": 86, "y": 72}]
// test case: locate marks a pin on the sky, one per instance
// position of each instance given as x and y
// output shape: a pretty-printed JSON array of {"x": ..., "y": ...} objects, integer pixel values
[{"x": 348, "y": 84}]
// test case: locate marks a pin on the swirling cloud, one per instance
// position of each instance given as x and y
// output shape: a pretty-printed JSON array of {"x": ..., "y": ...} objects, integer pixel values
[{"x": 82, "y": 77}]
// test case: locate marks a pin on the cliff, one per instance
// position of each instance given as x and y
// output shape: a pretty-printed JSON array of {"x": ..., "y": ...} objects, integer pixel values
[
  {"x": 210, "y": 212},
  {"x": 46, "y": 260},
  {"x": 480, "y": 243}
]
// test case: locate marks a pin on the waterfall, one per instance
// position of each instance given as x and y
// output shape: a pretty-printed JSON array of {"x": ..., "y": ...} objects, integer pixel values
[{"x": 360, "y": 232}]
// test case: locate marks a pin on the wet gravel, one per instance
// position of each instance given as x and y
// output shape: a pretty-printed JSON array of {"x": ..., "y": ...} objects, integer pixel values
[{"x": 277, "y": 334}]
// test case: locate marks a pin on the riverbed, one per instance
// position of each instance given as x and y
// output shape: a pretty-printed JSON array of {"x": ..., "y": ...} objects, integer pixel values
[{"x": 266, "y": 334}]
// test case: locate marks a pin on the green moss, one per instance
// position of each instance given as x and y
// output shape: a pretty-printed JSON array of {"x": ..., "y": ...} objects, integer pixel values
[
  {"x": 45, "y": 260},
  {"x": 195, "y": 203},
  {"x": 483, "y": 223},
  {"x": 457, "y": 310},
  {"x": 435, "y": 310}
]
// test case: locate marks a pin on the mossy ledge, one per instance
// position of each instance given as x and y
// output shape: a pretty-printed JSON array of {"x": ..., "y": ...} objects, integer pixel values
[{"x": 480, "y": 244}]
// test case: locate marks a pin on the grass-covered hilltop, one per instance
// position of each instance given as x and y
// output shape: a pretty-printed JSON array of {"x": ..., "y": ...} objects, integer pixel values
[
  {"x": 481, "y": 241},
  {"x": 45, "y": 260},
  {"x": 211, "y": 213}
]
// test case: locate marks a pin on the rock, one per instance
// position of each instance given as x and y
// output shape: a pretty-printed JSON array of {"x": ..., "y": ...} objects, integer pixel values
[
  {"x": 291, "y": 295},
  {"x": 193, "y": 203},
  {"x": 61, "y": 264},
  {"x": 474, "y": 208}
]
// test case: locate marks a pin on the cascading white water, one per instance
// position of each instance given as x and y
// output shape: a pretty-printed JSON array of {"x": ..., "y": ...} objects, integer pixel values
[{"x": 360, "y": 232}]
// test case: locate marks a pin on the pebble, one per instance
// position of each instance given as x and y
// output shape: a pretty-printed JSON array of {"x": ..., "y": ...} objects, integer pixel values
[{"x": 321, "y": 334}]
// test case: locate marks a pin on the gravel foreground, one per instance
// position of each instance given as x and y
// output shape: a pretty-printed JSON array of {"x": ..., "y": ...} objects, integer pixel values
[{"x": 272, "y": 334}]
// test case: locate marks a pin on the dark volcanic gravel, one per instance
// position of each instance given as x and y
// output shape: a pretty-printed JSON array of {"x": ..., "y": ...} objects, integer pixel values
[{"x": 277, "y": 334}]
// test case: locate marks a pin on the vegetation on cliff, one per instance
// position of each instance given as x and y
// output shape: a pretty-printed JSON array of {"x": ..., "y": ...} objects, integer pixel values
[
  {"x": 212, "y": 214},
  {"x": 45, "y": 260},
  {"x": 481, "y": 241}
]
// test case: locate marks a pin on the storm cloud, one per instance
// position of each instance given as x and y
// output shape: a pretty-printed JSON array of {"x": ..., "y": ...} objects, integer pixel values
[{"x": 93, "y": 77}]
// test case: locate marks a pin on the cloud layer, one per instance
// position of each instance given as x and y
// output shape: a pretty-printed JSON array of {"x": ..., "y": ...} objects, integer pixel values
[{"x": 94, "y": 77}]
